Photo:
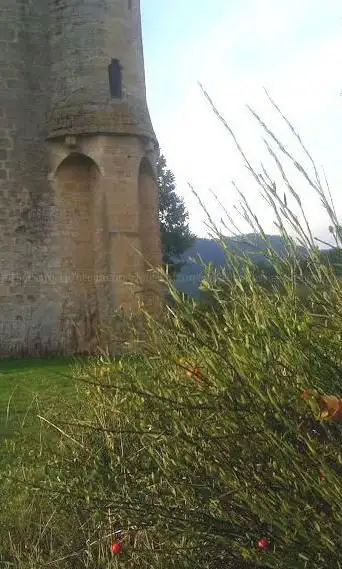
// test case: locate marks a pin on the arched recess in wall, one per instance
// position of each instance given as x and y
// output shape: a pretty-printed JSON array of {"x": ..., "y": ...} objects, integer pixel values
[
  {"x": 148, "y": 214},
  {"x": 76, "y": 184}
]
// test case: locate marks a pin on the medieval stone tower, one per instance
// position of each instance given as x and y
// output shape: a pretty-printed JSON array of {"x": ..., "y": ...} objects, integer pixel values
[{"x": 78, "y": 196}]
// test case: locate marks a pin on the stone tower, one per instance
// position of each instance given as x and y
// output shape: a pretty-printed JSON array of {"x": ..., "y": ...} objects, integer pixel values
[{"x": 78, "y": 196}]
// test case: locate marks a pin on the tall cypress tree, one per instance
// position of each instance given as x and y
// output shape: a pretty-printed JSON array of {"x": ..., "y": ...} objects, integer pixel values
[{"x": 176, "y": 236}]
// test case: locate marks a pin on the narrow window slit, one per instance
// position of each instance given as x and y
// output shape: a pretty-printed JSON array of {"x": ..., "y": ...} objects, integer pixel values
[{"x": 115, "y": 79}]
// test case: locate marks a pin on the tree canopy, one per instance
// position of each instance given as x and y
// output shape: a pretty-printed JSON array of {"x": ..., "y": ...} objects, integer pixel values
[{"x": 176, "y": 236}]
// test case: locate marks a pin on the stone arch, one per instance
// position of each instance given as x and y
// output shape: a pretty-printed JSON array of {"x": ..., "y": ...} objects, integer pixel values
[
  {"x": 77, "y": 180},
  {"x": 148, "y": 218},
  {"x": 73, "y": 157},
  {"x": 148, "y": 214}
]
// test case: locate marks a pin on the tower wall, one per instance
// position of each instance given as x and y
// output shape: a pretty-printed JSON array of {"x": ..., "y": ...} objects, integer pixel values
[
  {"x": 26, "y": 223},
  {"x": 85, "y": 37},
  {"x": 74, "y": 201}
]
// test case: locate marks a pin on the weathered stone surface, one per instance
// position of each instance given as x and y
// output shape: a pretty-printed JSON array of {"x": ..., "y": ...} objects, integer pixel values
[{"x": 78, "y": 199}]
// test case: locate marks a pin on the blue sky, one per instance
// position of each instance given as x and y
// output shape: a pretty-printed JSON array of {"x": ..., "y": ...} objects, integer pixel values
[{"x": 236, "y": 48}]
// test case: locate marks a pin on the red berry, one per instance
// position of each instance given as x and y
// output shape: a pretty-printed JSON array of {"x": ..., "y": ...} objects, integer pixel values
[
  {"x": 116, "y": 547},
  {"x": 263, "y": 543},
  {"x": 321, "y": 475}
]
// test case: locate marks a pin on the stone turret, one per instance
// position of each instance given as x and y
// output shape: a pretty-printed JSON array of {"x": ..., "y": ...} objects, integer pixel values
[
  {"x": 86, "y": 38},
  {"x": 78, "y": 194}
]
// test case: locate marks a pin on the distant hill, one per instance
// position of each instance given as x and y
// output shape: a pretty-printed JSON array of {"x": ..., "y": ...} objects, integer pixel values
[{"x": 191, "y": 274}]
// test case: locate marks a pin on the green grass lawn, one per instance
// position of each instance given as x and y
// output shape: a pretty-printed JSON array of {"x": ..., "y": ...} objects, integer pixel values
[{"x": 29, "y": 387}]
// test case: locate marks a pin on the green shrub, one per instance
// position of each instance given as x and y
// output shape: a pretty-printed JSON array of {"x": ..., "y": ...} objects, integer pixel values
[{"x": 202, "y": 446}]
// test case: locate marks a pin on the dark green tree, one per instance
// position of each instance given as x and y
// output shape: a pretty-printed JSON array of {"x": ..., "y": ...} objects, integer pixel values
[{"x": 176, "y": 236}]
